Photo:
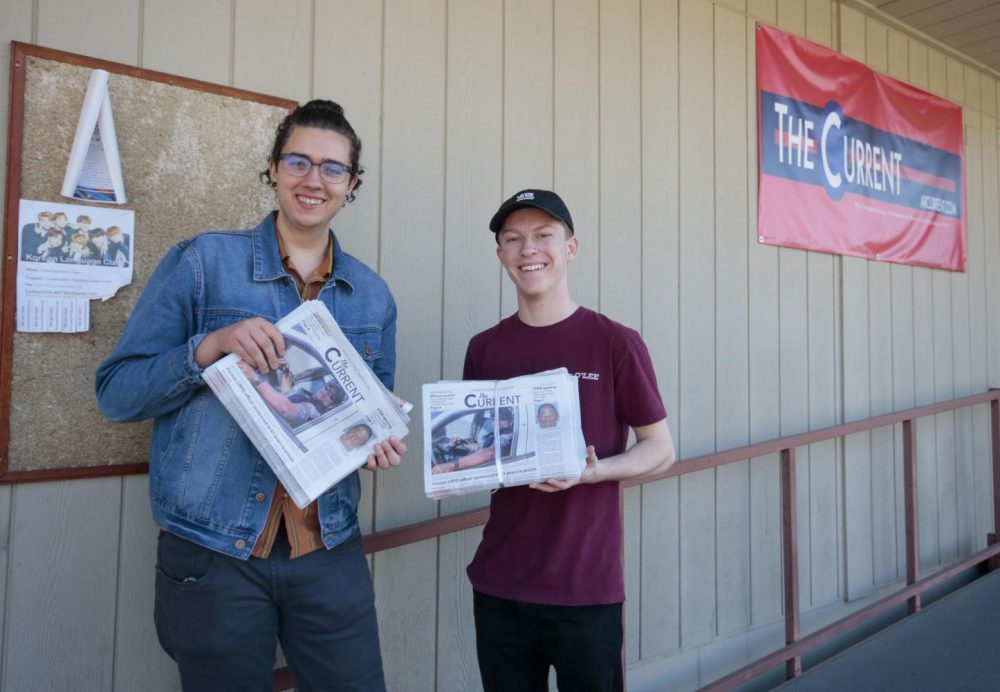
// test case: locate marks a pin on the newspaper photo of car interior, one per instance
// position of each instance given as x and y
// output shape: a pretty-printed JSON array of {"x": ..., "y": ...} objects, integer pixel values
[{"x": 486, "y": 435}]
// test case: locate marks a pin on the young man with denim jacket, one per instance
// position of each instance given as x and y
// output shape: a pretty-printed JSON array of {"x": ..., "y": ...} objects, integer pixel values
[{"x": 238, "y": 565}]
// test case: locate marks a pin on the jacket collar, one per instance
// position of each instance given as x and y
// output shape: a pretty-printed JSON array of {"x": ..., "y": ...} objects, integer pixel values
[{"x": 267, "y": 264}]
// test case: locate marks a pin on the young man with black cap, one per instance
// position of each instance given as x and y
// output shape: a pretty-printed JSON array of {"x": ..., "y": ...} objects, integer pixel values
[{"x": 548, "y": 577}]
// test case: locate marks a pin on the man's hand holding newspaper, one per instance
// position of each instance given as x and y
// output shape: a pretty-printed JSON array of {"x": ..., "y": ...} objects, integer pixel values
[{"x": 308, "y": 401}]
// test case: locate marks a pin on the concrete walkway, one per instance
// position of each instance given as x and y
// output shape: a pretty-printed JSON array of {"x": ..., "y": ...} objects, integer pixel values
[{"x": 951, "y": 645}]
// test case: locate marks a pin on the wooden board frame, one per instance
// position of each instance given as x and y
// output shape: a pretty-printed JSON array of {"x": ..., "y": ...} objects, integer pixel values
[{"x": 21, "y": 55}]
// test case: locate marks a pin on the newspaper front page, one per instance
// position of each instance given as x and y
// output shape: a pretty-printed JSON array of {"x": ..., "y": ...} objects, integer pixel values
[
  {"x": 315, "y": 418},
  {"x": 489, "y": 434}
]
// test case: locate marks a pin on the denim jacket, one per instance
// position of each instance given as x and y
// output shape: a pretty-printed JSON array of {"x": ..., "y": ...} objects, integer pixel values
[{"x": 207, "y": 482}]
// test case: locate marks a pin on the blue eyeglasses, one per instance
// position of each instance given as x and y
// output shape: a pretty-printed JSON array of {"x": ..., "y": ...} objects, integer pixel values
[{"x": 299, "y": 166}]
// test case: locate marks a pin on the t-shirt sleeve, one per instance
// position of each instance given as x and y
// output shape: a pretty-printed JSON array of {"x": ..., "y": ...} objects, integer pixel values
[
  {"x": 473, "y": 359},
  {"x": 637, "y": 398}
]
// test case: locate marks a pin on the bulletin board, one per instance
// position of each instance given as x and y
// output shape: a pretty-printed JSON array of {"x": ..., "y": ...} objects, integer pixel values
[{"x": 191, "y": 153}]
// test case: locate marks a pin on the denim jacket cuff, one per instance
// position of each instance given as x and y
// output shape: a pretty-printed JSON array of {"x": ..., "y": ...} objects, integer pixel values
[{"x": 191, "y": 369}]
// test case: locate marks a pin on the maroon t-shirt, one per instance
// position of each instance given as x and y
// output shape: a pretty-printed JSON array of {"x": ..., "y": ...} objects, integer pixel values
[{"x": 565, "y": 548}]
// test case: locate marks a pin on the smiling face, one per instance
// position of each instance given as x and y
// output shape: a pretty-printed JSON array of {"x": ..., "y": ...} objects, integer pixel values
[
  {"x": 535, "y": 249},
  {"x": 306, "y": 204}
]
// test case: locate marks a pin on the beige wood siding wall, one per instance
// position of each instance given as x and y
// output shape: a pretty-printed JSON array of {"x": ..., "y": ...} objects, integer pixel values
[{"x": 642, "y": 114}]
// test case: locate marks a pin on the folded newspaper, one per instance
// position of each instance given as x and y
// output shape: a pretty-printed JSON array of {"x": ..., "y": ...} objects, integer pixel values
[
  {"x": 316, "y": 417},
  {"x": 486, "y": 435}
]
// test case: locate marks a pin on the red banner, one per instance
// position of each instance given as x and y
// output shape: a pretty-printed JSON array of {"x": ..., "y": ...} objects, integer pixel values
[{"x": 854, "y": 162}]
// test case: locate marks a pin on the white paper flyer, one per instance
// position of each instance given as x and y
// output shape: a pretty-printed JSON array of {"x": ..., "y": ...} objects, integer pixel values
[{"x": 69, "y": 255}]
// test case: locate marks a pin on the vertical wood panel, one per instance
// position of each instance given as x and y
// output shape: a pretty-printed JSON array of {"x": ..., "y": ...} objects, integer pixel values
[
  {"x": 412, "y": 250},
  {"x": 793, "y": 339},
  {"x": 577, "y": 136},
  {"x": 880, "y": 371},
  {"x": 792, "y": 16},
  {"x": 764, "y": 407},
  {"x": 990, "y": 289},
  {"x": 272, "y": 47},
  {"x": 944, "y": 369},
  {"x": 412, "y": 238},
  {"x": 632, "y": 554},
  {"x": 960, "y": 92},
  {"x": 991, "y": 214},
  {"x": 473, "y": 174},
  {"x": 528, "y": 108},
  {"x": 139, "y": 662},
  {"x": 405, "y": 598},
  {"x": 988, "y": 95},
  {"x": 61, "y": 585},
  {"x": 823, "y": 339},
  {"x": 188, "y": 37},
  {"x": 856, "y": 383},
  {"x": 660, "y": 594},
  {"x": 976, "y": 473},
  {"x": 923, "y": 368},
  {"x": 107, "y": 29},
  {"x": 903, "y": 335},
  {"x": 947, "y": 491},
  {"x": 697, "y": 333},
  {"x": 731, "y": 322},
  {"x": 620, "y": 148},
  {"x": 457, "y": 666},
  {"x": 6, "y": 494}
]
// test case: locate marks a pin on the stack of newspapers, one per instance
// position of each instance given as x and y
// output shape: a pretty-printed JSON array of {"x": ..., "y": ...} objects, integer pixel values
[
  {"x": 486, "y": 435},
  {"x": 316, "y": 417}
]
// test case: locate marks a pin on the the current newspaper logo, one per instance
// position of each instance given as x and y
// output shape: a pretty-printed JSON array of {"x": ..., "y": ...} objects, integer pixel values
[
  {"x": 855, "y": 162},
  {"x": 824, "y": 147}
]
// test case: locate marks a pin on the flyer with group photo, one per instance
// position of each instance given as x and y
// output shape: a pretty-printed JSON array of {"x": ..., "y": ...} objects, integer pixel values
[{"x": 68, "y": 255}]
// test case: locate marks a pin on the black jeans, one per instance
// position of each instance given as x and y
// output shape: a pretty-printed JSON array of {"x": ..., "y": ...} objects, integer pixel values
[{"x": 517, "y": 643}]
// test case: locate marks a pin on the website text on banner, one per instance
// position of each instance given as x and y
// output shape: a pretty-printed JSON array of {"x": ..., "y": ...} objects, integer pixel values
[{"x": 854, "y": 162}]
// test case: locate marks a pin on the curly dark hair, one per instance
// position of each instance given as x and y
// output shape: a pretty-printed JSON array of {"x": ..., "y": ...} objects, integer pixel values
[{"x": 325, "y": 115}]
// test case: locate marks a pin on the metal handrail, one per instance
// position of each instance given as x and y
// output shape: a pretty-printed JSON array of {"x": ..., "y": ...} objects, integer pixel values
[{"x": 791, "y": 654}]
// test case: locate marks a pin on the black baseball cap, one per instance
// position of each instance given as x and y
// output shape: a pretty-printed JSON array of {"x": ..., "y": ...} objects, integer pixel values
[{"x": 547, "y": 201}]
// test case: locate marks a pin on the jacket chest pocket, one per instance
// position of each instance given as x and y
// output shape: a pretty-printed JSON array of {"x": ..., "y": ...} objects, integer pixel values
[
  {"x": 217, "y": 318},
  {"x": 366, "y": 340}
]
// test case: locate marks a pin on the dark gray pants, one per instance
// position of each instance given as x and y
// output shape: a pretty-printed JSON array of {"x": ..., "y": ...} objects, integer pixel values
[{"x": 218, "y": 617}]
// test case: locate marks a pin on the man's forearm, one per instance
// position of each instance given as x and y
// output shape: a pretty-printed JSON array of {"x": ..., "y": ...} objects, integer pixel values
[{"x": 653, "y": 452}]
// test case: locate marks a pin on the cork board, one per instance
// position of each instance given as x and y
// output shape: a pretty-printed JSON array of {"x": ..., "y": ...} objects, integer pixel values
[{"x": 191, "y": 153}]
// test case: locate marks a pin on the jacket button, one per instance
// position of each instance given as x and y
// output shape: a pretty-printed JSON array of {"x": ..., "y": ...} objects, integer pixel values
[
  {"x": 261, "y": 497},
  {"x": 241, "y": 544}
]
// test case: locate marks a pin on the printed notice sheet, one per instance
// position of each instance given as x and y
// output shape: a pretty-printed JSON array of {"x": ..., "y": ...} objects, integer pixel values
[
  {"x": 486, "y": 435},
  {"x": 317, "y": 417},
  {"x": 69, "y": 255}
]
